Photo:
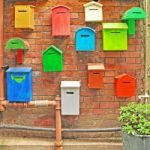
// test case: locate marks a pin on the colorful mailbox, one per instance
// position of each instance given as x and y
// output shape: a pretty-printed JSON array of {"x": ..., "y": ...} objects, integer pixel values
[
  {"x": 18, "y": 45},
  {"x": 95, "y": 75},
  {"x": 19, "y": 84},
  {"x": 130, "y": 16},
  {"x": 24, "y": 16},
  {"x": 85, "y": 39},
  {"x": 125, "y": 85},
  {"x": 93, "y": 12},
  {"x": 60, "y": 21},
  {"x": 115, "y": 36},
  {"x": 70, "y": 97},
  {"x": 52, "y": 59}
]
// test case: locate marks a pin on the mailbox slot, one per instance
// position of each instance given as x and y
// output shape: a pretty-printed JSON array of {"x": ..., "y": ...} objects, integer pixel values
[
  {"x": 85, "y": 35},
  {"x": 24, "y": 16},
  {"x": 93, "y": 12},
  {"x": 60, "y": 21},
  {"x": 124, "y": 85},
  {"x": 70, "y": 97},
  {"x": 95, "y": 75},
  {"x": 19, "y": 84}
]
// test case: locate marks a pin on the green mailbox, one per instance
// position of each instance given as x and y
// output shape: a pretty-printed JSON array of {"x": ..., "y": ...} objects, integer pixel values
[
  {"x": 52, "y": 59},
  {"x": 131, "y": 15},
  {"x": 115, "y": 36}
]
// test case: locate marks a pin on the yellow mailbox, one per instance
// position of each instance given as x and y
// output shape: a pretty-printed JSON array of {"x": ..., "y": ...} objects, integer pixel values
[{"x": 24, "y": 16}]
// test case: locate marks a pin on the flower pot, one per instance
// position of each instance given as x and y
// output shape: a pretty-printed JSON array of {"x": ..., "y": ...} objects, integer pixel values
[{"x": 136, "y": 142}]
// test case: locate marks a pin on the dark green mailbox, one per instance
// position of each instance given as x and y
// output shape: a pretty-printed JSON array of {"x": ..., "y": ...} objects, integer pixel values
[
  {"x": 131, "y": 15},
  {"x": 52, "y": 59}
]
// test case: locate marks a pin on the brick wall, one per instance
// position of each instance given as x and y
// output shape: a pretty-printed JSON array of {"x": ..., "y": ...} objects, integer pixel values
[{"x": 99, "y": 108}]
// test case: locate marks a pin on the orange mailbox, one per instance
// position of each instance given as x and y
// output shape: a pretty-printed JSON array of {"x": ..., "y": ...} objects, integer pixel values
[
  {"x": 125, "y": 85},
  {"x": 60, "y": 21},
  {"x": 95, "y": 75}
]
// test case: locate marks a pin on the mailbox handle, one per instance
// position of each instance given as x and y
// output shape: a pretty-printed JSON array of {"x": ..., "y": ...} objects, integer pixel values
[
  {"x": 69, "y": 92},
  {"x": 115, "y": 32},
  {"x": 22, "y": 10},
  {"x": 93, "y": 9},
  {"x": 126, "y": 82},
  {"x": 85, "y": 35},
  {"x": 137, "y": 12}
]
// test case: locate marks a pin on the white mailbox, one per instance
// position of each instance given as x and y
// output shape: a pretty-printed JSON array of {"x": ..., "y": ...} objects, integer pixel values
[
  {"x": 70, "y": 101},
  {"x": 93, "y": 12}
]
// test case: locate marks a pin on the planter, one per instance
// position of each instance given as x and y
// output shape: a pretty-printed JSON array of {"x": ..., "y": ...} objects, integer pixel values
[{"x": 136, "y": 142}]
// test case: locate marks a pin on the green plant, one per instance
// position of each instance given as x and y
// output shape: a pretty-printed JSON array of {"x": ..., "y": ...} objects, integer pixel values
[{"x": 135, "y": 118}]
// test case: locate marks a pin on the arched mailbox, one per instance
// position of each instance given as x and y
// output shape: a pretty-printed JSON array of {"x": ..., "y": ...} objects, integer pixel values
[
  {"x": 24, "y": 16},
  {"x": 60, "y": 21},
  {"x": 19, "y": 45},
  {"x": 19, "y": 84},
  {"x": 52, "y": 59},
  {"x": 131, "y": 15},
  {"x": 95, "y": 75},
  {"x": 85, "y": 39},
  {"x": 125, "y": 85},
  {"x": 93, "y": 12},
  {"x": 115, "y": 37}
]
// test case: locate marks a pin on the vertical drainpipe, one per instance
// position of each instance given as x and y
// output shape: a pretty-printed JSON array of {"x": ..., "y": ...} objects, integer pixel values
[{"x": 1, "y": 52}]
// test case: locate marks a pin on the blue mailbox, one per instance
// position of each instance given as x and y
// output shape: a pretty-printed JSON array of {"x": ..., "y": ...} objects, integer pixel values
[
  {"x": 85, "y": 39},
  {"x": 19, "y": 84}
]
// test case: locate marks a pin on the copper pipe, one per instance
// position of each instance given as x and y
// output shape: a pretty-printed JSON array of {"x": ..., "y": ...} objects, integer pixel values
[
  {"x": 1, "y": 52},
  {"x": 58, "y": 142}
]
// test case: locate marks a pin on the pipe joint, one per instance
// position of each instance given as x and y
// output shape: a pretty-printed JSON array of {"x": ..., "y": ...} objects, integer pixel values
[{"x": 58, "y": 143}]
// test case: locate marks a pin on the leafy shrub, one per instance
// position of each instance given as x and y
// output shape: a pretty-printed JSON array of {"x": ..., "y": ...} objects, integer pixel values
[{"x": 135, "y": 119}]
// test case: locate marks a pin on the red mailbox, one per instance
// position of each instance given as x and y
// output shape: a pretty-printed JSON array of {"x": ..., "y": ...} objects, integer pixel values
[
  {"x": 95, "y": 75},
  {"x": 125, "y": 85},
  {"x": 60, "y": 21}
]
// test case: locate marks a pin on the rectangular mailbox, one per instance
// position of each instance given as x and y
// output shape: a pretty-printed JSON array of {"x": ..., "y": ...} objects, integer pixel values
[
  {"x": 125, "y": 86},
  {"x": 24, "y": 16},
  {"x": 70, "y": 97},
  {"x": 95, "y": 75},
  {"x": 85, "y": 39},
  {"x": 60, "y": 21},
  {"x": 19, "y": 84},
  {"x": 115, "y": 36}
]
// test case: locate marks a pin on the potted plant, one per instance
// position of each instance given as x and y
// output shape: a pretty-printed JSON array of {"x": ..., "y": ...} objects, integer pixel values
[{"x": 135, "y": 119}]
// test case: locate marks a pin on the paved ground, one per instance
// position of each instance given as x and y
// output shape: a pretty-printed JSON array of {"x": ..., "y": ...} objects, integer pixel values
[{"x": 13, "y": 143}]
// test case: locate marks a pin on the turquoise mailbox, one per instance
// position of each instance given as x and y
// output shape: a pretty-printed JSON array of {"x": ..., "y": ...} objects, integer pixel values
[
  {"x": 131, "y": 15},
  {"x": 85, "y": 39}
]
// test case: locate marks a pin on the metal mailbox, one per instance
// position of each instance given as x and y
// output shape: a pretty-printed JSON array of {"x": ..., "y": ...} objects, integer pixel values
[
  {"x": 95, "y": 75},
  {"x": 19, "y": 84},
  {"x": 19, "y": 45},
  {"x": 60, "y": 21},
  {"x": 93, "y": 12},
  {"x": 85, "y": 39},
  {"x": 115, "y": 36},
  {"x": 70, "y": 97},
  {"x": 52, "y": 59},
  {"x": 24, "y": 16},
  {"x": 125, "y": 85},
  {"x": 130, "y": 17}
]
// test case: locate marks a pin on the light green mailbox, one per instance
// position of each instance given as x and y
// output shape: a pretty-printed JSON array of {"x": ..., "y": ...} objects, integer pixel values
[
  {"x": 52, "y": 59},
  {"x": 115, "y": 36},
  {"x": 131, "y": 15}
]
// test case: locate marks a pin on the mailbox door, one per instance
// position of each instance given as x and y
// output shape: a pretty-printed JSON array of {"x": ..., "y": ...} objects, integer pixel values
[
  {"x": 61, "y": 21},
  {"x": 115, "y": 40},
  {"x": 23, "y": 17},
  {"x": 70, "y": 101},
  {"x": 52, "y": 62},
  {"x": 19, "y": 87},
  {"x": 85, "y": 40},
  {"x": 93, "y": 14},
  {"x": 95, "y": 79}
]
